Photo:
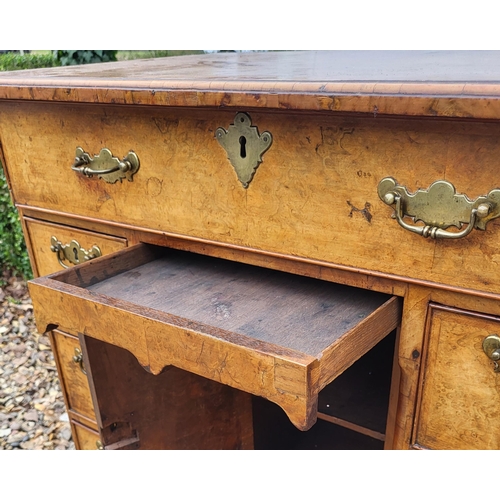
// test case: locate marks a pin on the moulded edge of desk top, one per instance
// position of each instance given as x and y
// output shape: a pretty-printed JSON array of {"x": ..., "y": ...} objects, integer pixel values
[{"x": 463, "y": 84}]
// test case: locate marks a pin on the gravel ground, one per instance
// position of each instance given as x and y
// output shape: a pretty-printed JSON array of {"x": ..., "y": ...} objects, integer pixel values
[{"x": 32, "y": 411}]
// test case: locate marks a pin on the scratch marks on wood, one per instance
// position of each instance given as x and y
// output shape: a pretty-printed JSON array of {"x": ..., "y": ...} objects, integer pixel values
[
  {"x": 165, "y": 125},
  {"x": 332, "y": 143},
  {"x": 365, "y": 212}
]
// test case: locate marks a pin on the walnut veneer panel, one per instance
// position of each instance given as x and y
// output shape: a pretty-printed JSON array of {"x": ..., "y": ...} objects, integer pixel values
[
  {"x": 40, "y": 233},
  {"x": 314, "y": 195},
  {"x": 460, "y": 400},
  {"x": 74, "y": 381},
  {"x": 84, "y": 437}
]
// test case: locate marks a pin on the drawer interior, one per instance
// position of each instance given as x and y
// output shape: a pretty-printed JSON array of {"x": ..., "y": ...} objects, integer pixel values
[
  {"x": 291, "y": 312},
  {"x": 271, "y": 334}
]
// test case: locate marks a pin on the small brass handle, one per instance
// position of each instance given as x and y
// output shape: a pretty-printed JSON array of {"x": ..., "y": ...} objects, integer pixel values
[
  {"x": 99, "y": 445},
  {"x": 433, "y": 232},
  {"x": 80, "y": 166},
  {"x": 78, "y": 359},
  {"x": 491, "y": 347},
  {"x": 439, "y": 207},
  {"x": 106, "y": 166},
  {"x": 72, "y": 252}
]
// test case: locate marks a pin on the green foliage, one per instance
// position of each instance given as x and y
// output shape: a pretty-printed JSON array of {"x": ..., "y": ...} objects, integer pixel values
[
  {"x": 13, "y": 253},
  {"x": 125, "y": 55},
  {"x": 12, "y": 62},
  {"x": 71, "y": 57}
]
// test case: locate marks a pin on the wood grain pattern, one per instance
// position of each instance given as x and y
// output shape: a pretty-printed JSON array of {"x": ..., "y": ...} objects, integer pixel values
[
  {"x": 409, "y": 358},
  {"x": 204, "y": 338},
  {"x": 421, "y": 83},
  {"x": 341, "y": 121},
  {"x": 84, "y": 437},
  {"x": 172, "y": 410},
  {"x": 295, "y": 312},
  {"x": 314, "y": 196},
  {"x": 460, "y": 397},
  {"x": 73, "y": 380}
]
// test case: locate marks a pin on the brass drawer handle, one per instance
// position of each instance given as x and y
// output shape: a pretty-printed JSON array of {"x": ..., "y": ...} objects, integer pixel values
[
  {"x": 73, "y": 252},
  {"x": 439, "y": 208},
  {"x": 105, "y": 165},
  {"x": 491, "y": 347},
  {"x": 78, "y": 359}
]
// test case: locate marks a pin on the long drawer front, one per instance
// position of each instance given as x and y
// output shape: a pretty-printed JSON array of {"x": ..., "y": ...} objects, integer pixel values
[{"x": 305, "y": 185}]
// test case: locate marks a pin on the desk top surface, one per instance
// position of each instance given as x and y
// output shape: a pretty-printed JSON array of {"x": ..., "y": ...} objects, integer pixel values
[{"x": 305, "y": 80}]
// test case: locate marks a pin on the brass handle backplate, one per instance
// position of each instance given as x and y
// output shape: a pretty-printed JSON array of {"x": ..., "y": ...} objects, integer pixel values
[
  {"x": 106, "y": 166},
  {"x": 491, "y": 347},
  {"x": 73, "y": 252},
  {"x": 439, "y": 207},
  {"x": 78, "y": 359},
  {"x": 244, "y": 146}
]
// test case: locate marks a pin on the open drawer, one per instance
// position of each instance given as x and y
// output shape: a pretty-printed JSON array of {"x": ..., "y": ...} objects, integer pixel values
[{"x": 268, "y": 333}]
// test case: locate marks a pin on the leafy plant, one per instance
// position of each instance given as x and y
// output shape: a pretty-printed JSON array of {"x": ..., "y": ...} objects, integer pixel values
[
  {"x": 13, "y": 253},
  {"x": 11, "y": 62},
  {"x": 71, "y": 57},
  {"x": 125, "y": 55}
]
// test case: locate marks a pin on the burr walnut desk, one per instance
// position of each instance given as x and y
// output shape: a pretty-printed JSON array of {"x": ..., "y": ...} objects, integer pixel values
[{"x": 266, "y": 250}]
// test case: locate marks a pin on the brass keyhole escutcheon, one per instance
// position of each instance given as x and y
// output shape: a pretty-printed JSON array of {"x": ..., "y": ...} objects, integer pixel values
[{"x": 244, "y": 146}]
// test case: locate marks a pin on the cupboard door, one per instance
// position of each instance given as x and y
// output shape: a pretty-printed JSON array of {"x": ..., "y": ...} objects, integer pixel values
[
  {"x": 173, "y": 410},
  {"x": 459, "y": 403}
]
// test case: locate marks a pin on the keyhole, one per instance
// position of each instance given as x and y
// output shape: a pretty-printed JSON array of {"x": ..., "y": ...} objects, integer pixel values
[
  {"x": 243, "y": 148},
  {"x": 75, "y": 252}
]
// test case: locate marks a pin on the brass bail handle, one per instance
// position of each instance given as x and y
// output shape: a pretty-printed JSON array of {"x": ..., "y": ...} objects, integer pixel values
[
  {"x": 491, "y": 347},
  {"x": 106, "y": 166},
  {"x": 81, "y": 167},
  {"x": 78, "y": 359},
  {"x": 439, "y": 207}
]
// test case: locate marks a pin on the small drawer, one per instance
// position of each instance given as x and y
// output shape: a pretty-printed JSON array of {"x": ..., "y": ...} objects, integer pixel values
[
  {"x": 71, "y": 370},
  {"x": 50, "y": 258},
  {"x": 272, "y": 334},
  {"x": 84, "y": 437},
  {"x": 459, "y": 406}
]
